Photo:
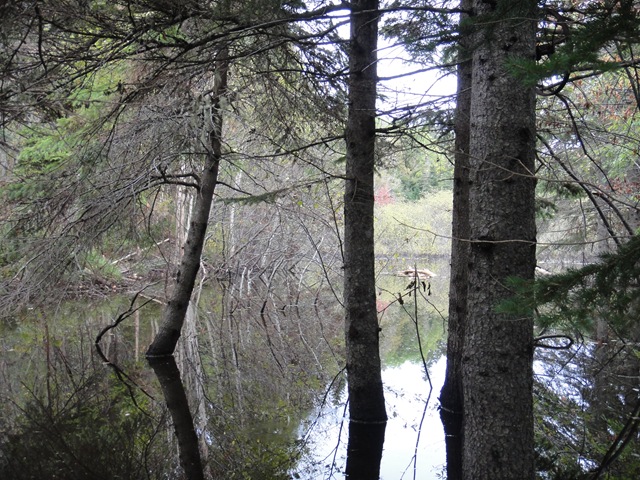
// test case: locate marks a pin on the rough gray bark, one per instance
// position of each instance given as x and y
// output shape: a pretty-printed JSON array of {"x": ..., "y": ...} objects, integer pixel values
[
  {"x": 366, "y": 399},
  {"x": 451, "y": 399},
  {"x": 498, "y": 348},
  {"x": 174, "y": 313}
]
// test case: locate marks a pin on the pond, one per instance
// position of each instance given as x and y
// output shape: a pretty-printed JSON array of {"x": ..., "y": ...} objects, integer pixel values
[
  {"x": 256, "y": 366},
  {"x": 261, "y": 368},
  {"x": 414, "y": 439}
]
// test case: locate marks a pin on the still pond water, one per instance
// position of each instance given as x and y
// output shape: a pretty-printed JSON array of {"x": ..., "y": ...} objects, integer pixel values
[
  {"x": 261, "y": 370},
  {"x": 414, "y": 440},
  {"x": 256, "y": 365}
]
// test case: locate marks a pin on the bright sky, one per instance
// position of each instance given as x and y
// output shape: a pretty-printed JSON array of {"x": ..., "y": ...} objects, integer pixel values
[
  {"x": 408, "y": 88},
  {"x": 404, "y": 82}
]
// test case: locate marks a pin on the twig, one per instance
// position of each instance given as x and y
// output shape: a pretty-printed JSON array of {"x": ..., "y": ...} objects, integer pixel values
[{"x": 122, "y": 376}]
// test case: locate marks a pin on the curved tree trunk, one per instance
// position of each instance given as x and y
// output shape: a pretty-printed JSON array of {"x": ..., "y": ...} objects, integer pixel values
[
  {"x": 498, "y": 347},
  {"x": 165, "y": 341},
  {"x": 451, "y": 401}
]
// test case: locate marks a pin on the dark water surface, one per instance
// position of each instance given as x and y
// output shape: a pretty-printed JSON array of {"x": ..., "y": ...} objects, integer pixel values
[{"x": 255, "y": 366}]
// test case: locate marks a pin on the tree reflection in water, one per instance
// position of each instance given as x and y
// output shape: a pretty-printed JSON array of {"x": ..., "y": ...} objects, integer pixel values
[
  {"x": 265, "y": 366},
  {"x": 364, "y": 450},
  {"x": 175, "y": 397},
  {"x": 266, "y": 359},
  {"x": 403, "y": 456},
  {"x": 587, "y": 404}
]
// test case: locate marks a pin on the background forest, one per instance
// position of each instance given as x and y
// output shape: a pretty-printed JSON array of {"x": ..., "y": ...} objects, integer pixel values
[{"x": 119, "y": 118}]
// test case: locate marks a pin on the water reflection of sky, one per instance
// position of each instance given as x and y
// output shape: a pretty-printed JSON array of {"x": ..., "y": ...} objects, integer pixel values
[
  {"x": 561, "y": 373},
  {"x": 406, "y": 391}
]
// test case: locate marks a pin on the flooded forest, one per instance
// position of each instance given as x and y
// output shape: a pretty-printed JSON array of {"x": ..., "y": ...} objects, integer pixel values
[{"x": 319, "y": 240}]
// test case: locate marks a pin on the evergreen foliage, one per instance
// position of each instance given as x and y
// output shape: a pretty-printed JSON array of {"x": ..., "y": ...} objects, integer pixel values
[
  {"x": 577, "y": 298},
  {"x": 572, "y": 38},
  {"x": 103, "y": 107}
]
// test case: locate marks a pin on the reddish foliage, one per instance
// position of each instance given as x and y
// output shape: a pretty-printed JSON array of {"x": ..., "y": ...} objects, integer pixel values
[
  {"x": 383, "y": 196},
  {"x": 626, "y": 187},
  {"x": 381, "y": 305}
]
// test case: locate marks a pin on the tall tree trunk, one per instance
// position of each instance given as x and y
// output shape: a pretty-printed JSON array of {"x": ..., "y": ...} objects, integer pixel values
[
  {"x": 165, "y": 341},
  {"x": 451, "y": 400},
  {"x": 498, "y": 347},
  {"x": 366, "y": 399}
]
